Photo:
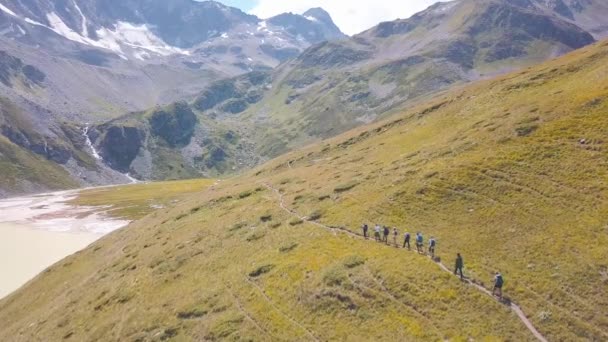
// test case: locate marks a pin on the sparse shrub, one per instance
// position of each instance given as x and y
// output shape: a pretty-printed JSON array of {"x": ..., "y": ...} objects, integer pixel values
[
  {"x": 221, "y": 331},
  {"x": 334, "y": 277},
  {"x": 295, "y": 222},
  {"x": 345, "y": 187},
  {"x": 524, "y": 131},
  {"x": 261, "y": 270},
  {"x": 315, "y": 215},
  {"x": 266, "y": 218},
  {"x": 323, "y": 198},
  {"x": 284, "y": 181},
  {"x": 245, "y": 194},
  {"x": 288, "y": 248},
  {"x": 190, "y": 314},
  {"x": 354, "y": 261},
  {"x": 169, "y": 333},
  {"x": 181, "y": 216},
  {"x": 238, "y": 226},
  {"x": 275, "y": 225},
  {"x": 544, "y": 316},
  {"x": 431, "y": 174},
  {"x": 256, "y": 236}
]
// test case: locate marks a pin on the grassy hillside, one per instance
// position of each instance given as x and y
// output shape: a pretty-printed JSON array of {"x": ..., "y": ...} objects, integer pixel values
[
  {"x": 23, "y": 170},
  {"x": 135, "y": 201},
  {"x": 510, "y": 172}
]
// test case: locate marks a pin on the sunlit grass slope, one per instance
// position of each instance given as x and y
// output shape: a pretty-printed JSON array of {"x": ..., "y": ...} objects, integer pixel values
[
  {"x": 135, "y": 201},
  {"x": 510, "y": 172}
]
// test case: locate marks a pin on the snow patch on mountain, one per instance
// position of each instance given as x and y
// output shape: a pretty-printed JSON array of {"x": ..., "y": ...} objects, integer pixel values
[
  {"x": 34, "y": 22},
  {"x": 63, "y": 29},
  {"x": 136, "y": 36},
  {"x": 7, "y": 10},
  {"x": 85, "y": 30},
  {"x": 123, "y": 35}
]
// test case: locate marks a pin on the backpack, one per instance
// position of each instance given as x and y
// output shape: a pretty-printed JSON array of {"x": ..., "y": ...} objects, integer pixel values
[
  {"x": 432, "y": 242},
  {"x": 499, "y": 280},
  {"x": 419, "y": 238}
]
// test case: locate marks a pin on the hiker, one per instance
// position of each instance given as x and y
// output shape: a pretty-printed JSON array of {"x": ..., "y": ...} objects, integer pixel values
[
  {"x": 459, "y": 265},
  {"x": 395, "y": 233},
  {"x": 419, "y": 243},
  {"x": 386, "y": 232},
  {"x": 377, "y": 232},
  {"x": 498, "y": 282},
  {"x": 365, "y": 228},
  {"x": 406, "y": 240},
  {"x": 432, "y": 244}
]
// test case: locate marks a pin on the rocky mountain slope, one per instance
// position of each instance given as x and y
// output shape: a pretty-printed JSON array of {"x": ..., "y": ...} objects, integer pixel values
[
  {"x": 92, "y": 61},
  {"x": 337, "y": 85},
  {"x": 588, "y": 14},
  {"x": 510, "y": 172},
  {"x": 137, "y": 54}
]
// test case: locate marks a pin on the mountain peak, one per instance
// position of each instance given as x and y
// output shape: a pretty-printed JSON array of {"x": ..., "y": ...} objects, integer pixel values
[
  {"x": 315, "y": 25},
  {"x": 319, "y": 14}
]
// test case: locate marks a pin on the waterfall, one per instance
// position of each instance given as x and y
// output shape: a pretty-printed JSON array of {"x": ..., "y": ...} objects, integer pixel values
[
  {"x": 133, "y": 180},
  {"x": 96, "y": 154},
  {"x": 90, "y": 144}
]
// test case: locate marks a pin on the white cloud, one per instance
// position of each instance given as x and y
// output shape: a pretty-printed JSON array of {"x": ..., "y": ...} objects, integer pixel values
[{"x": 352, "y": 16}]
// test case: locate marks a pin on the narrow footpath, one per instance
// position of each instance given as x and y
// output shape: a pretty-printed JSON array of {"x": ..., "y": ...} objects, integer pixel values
[{"x": 335, "y": 230}]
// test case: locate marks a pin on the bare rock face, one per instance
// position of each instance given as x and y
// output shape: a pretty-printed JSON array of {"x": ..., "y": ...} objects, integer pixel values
[
  {"x": 12, "y": 68},
  {"x": 120, "y": 145},
  {"x": 174, "y": 124}
]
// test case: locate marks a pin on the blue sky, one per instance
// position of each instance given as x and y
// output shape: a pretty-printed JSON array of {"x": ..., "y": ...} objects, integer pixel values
[
  {"x": 352, "y": 16},
  {"x": 245, "y": 5}
]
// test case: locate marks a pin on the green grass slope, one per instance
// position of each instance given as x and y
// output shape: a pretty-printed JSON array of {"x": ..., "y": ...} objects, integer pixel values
[
  {"x": 23, "y": 170},
  {"x": 510, "y": 172}
]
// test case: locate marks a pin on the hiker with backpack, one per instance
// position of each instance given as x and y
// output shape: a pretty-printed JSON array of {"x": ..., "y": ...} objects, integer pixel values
[
  {"x": 377, "y": 232},
  {"x": 406, "y": 240},
  {"x": 386, "y": 232},
  {"x": 432, "y": 244},
  {"x": 459, "y": 266},
  {"x": 365, "y": 228},
  {"x": 419, "y": 243},
  {"x": 395, "y": 233},
  {"x": 498, "y": 282}
]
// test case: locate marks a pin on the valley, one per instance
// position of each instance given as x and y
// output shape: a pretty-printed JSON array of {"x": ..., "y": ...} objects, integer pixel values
[
  {"x": 185, "y": 171},
  {"x": 37, "y": 231},
  {"x": 240, "y": 90},
  {"x": 510, "y": 172}
]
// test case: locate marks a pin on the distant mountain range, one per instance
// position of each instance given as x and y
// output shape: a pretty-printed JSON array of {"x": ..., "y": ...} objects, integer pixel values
[
  {"x": 243, "y": 89},
  {"x": 132, "y": 55}
]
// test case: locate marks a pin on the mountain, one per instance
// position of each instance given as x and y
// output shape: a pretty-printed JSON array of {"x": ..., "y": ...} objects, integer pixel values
[
  {"x": 258, "y": 88},
  {"x": 87, "y": 61},
  {"x": 510, "y": 172},
  {"x": 588, "y": 14},
  {"x": 132, "y": 55},
  {"x": 337, "y": 85}
]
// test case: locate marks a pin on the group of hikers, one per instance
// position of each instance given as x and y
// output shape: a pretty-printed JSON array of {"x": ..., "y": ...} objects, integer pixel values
[{"x": 382, "y": 233}]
